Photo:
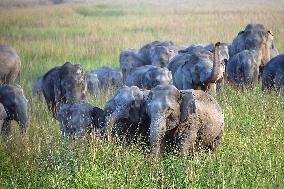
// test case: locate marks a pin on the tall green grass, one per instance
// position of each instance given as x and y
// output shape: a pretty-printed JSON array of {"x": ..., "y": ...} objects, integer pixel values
[{"x": 251, "y": 153}]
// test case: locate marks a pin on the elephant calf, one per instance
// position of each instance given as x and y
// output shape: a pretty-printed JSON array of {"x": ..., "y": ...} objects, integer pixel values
[
  {"x": 147, "y": 77},
  {"x": 273, "y": 74},
  {"x": 192, "y": 119},
  {"x": 79, "y": 119},
  {"x": 92, "y": 83},
  {"x": 125, "y": 114},
  {"x": 243, "y": 69},
  {"x": 14, "y": 107}
]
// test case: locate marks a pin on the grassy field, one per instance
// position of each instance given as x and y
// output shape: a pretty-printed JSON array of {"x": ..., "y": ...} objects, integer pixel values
[{"x": 92, "y": 34}]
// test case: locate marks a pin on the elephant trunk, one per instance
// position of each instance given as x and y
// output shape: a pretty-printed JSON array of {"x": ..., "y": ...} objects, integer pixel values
[
  {"x": 216, "y": 64},
  {"x": 157, "y": 132}
]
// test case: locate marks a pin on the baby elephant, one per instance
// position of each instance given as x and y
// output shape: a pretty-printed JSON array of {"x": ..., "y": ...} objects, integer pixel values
[
  {"x": 147, "y": 77},
  {"x": 79, "y": 119},
  {"x": 14, "y": 105},
  {"x": 92, "y": 83}
]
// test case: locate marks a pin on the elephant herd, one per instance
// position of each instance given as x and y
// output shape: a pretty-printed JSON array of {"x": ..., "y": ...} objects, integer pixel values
[{"x": 164, "y": 93}]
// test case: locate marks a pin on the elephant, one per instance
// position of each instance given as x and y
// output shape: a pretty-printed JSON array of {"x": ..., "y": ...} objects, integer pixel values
[
  {"x": 92, "y": 83},
  {"x": 37, "y": 88},
  {"x": 64, "y": 84},
  {"x": 254, "y": 37},
  {"x": 128, "y": 60},
  {"x": 109, "y": 78},
  {"x": 202, "y": 70},
  {"x": 273, "y": 75},
  {"x": 147, "y": 77},
  {"x": 15, "y": 105},
  {"x": 125, "y": 114},
  {"x": 157, "y": 53},
  {"x": 10, "y": 64},
  {"x": 156, "y": 76},
  {"x": 243, "y": 69},
  {"x": 190, "y": 119},
  {"x": 80, "y": 119}
]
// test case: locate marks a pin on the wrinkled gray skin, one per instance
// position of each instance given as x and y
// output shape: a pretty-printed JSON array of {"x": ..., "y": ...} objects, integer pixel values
[
  {"x": 156, "y": 76},
  {"x": 125, "y": 114},
  {"x": 243, "y": 69},
  {"x": 202, "y": 70},
  {"x": 109, "y": 78},
  {"x": 92, "y": 83},
  {"x": 10, "y": 64},
  {"x": 254, "y": 37},
  {"x": 147, "y": 77},
  {"x": 192, "y": 119},
  {"x": 36, "y": 89},
  {"x": 64, "y": 84},
  {"x": 15, "y": 104},
  {"x": 79, "y": 119},
  {"x": 273, "y": 75}
]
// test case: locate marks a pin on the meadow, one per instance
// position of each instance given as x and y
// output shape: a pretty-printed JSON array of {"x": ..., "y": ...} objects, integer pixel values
[{"x": 92, "y": 33}]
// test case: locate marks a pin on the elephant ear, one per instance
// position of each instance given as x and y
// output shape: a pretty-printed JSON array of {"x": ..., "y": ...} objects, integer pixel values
[{"x": 187, "y": 104}]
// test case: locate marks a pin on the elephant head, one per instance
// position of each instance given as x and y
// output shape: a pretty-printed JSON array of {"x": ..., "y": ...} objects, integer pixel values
[
  {"x": 163, "y": 108},
  {"x": 156, "y": 76},
  {"x": 126, "y": 104},
  {"x": 15, "y": 104},
  {"x": 254, "y": 37},
  {"x": 161, "y": 55},
  {"x": 73, "y": 82}
]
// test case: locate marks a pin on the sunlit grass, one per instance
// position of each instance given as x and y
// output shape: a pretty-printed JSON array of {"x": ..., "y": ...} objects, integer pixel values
[{"x": 251, "y": 153}]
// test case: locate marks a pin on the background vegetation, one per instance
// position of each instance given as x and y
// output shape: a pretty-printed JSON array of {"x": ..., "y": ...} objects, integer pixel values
[{"x": 93, "y": 33}]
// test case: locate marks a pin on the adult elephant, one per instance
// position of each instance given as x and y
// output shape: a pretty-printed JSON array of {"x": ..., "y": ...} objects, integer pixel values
[
  {"x": 202, "y": 70},
  {"x": 15, "y": 105},
  {"x": 243, "y": 69},
  {"x": 64, "y": 84},
  {"x": 273, "y": 75},
  {"x": 254, "y": 37},
  {"x": 10, "y": 64},
  {"x": 191, "y": 118},
  {"x": 125, "y": 113}
]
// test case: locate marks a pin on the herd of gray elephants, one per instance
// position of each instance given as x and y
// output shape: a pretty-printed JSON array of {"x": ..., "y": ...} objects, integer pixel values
[{"x": 164, "y": 93}]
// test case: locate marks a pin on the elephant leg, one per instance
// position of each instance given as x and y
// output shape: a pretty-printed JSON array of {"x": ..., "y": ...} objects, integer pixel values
[
  {"x": 6, "y": 130},
  {"x": 187, "y": 141}
]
